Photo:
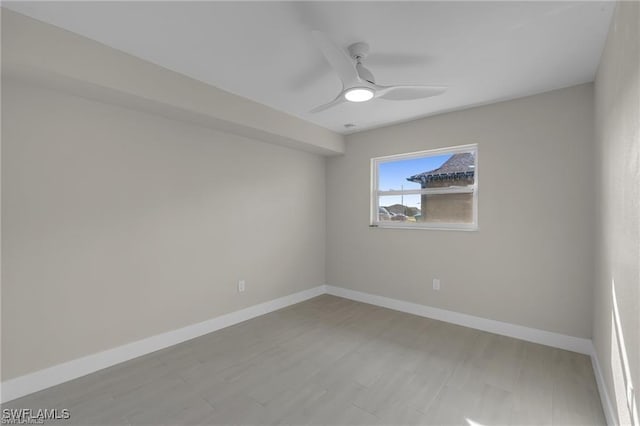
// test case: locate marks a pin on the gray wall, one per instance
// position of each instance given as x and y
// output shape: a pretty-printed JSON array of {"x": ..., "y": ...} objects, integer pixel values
[
  {"x": 618, "y": 138},
  {"x": 118, "y": 225},
  {"x": 530, "y": 263}
]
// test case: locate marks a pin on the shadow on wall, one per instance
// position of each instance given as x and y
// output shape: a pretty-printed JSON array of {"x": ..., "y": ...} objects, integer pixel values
[{"x": 624, "y": 394}]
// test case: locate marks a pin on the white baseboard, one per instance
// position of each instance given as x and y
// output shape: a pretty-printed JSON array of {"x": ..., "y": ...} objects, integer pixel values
[
  {"x": 42, "y": 379},
  {"x": 48, "y": 377},
  {"x": 548, "y": 338},
  {"x": 607, "y": 407}
]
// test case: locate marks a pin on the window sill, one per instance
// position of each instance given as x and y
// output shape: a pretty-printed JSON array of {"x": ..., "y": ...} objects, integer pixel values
[{"x": 442, "y": 227}]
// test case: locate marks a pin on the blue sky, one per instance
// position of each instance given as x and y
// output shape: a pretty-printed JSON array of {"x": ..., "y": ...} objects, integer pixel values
[{"x": 394, "y": 174}]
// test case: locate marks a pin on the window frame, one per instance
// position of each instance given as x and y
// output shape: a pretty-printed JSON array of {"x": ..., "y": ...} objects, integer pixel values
[{"x": 375, "y": 194}]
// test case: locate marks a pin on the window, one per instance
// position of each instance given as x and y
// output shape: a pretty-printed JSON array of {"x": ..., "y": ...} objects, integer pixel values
[{"x": 435, "y": 189}]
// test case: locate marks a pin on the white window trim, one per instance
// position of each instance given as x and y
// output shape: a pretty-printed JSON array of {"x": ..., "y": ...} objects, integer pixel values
[{"x": 375, "y": 193}]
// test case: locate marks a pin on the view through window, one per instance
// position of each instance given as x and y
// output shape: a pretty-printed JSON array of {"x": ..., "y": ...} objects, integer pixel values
[{"x": 428, "y": 189}]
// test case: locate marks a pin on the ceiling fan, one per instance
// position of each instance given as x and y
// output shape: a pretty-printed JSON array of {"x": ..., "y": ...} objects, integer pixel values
[{"x": 358, "y": 83}]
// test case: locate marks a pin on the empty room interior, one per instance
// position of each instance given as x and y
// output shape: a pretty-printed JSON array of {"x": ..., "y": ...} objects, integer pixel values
[{"x": 320, "y": 213}]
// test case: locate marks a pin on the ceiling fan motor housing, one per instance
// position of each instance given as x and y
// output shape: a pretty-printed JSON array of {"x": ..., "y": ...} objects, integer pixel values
[{"x": 359, "y": 50}]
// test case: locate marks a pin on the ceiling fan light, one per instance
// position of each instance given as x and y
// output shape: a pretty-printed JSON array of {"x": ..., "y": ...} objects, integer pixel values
[{"x": 358, "y": 94}]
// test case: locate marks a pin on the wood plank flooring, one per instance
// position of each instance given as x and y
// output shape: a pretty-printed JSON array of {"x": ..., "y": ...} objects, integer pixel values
[{"x": 334, "y": 361}]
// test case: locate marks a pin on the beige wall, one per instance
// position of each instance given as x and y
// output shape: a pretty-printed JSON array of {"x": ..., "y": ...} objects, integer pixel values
[
  {"x": 118, "y": 225},
  {"x": 618, "y": 139},
  {"x": 530, "y": 263}
]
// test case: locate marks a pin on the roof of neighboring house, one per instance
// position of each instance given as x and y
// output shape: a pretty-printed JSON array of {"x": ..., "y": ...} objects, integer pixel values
[{"x": 459, "y": 166}]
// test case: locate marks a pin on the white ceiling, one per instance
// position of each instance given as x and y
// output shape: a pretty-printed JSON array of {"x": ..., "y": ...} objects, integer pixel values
[{"x": 264, "y": 51}]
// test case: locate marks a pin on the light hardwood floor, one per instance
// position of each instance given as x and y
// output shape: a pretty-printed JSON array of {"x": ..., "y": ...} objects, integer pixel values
[{"x": 334, "y": 361}]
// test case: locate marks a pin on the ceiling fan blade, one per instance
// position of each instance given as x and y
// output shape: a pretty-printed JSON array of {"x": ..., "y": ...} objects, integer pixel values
[
  {"x": 337, "y": 58},
  {"x": 365, "y": 74},
  {"x": 406, "y": 93},
  {"x": 337, "y": 101}
]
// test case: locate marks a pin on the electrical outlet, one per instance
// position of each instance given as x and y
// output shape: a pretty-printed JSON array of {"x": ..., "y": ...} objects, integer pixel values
[
  {"x": 241, "y": 286},
  {"x": 436, "y": 284}
]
